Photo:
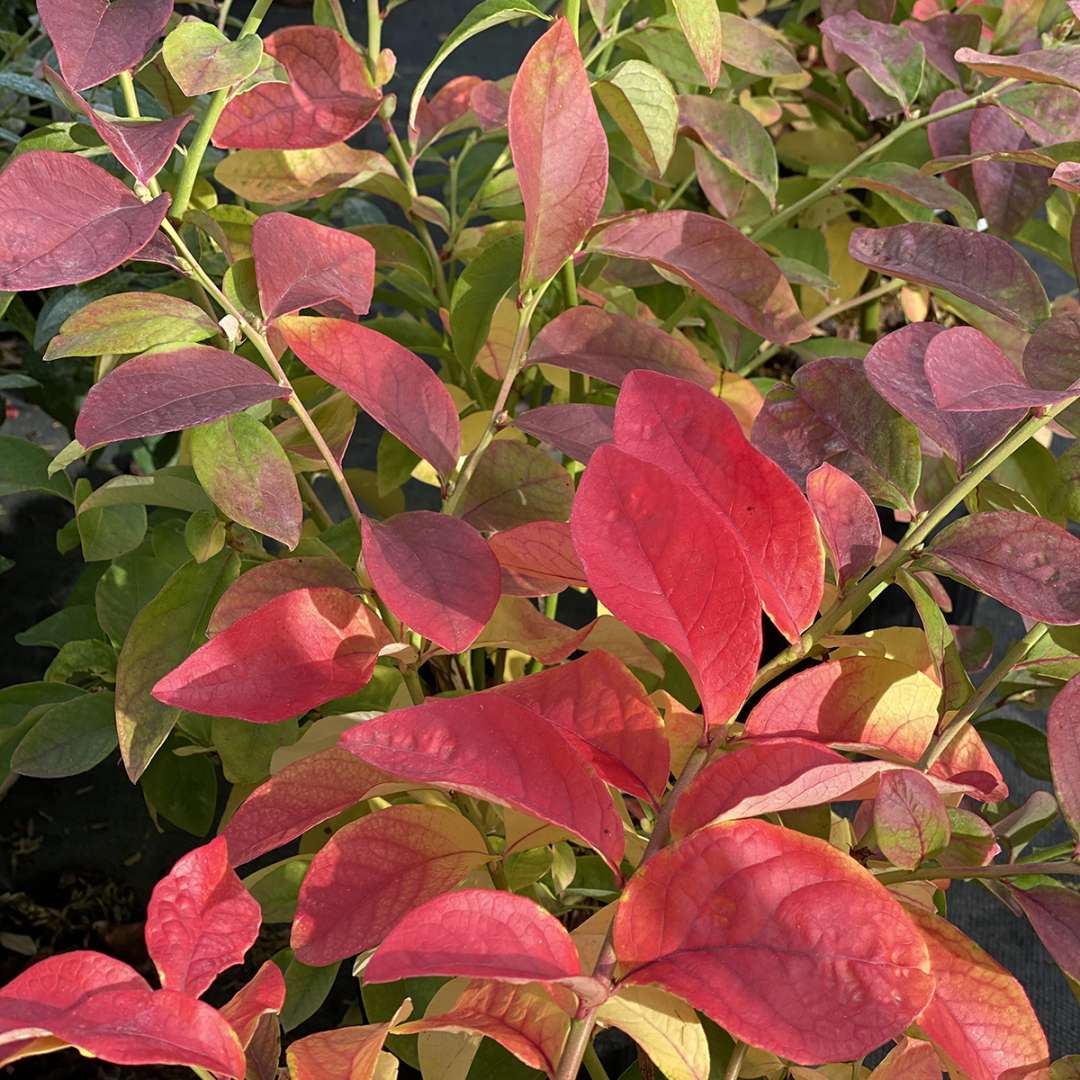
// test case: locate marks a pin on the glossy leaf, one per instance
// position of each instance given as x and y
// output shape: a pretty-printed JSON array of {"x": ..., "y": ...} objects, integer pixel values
[
  {"x": 494, "y": 749},
  {"x": 328, "y": 97},
  {"x": 862, "y": 973},
  {"x": 372, "y": 871},
  {"x": 303, "y": 794},
  {"x": 848, "y": 520},
  {"x": 699, "y": 598},
  {"x": 537, "y": 559},
  {"x": 574, "y": 430},
  {"x": 68, "y": 738},
  {"x": 910, "y": 822},
  {"x": 1029, "y": 564},
  {"x": 888, "y": 54},
  {"x": 608, "y": 346},
  {"x": 201, "y": 58},
  {"x": 1063, "y": 739},
  {"x": 515, "y": 483},
  {"x": 436, "y": 573},
  {"x": 96, "y": 39},
  {"x": 700, "y": 22},
  {"x": 641, "y": 100},
  {"x": 479, "y": 933},
  {"x": 857, "y": 701},
  {"x": 288, "y": 656},
  {"x": 1059, "y": 67},
  {"x": 696, "y": 438},
  {"x": 974, "y": 266},
  {"x": 744, "y": 282},
  {"x": 559, "y": 150},
  {"x": 980, "y": 1016},
  {"x": 67, "y": 220},
  {"x": 393, "y": 384},
  {"x": 165, "y": 391},
  {"x": 200, "y": 920}
]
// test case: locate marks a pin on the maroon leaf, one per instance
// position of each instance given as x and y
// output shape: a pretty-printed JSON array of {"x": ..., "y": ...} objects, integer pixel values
[
  {"x": 895, "y": 366},
  {"x": 1054, "y": 913},
  {"x": 493, "y": 748},
  {"x": 264, "y": 994},
  {"x": 696, "y": 438},
  {"x": 891, "y": 57},
  {"x": 974, "y": 266},
  {"x": 328, "y": 97},
  {"x": 715, "y": 259},
  {"x": 1030, "y": 565},
  {"x": 392, "y": 384},
  {"x": 1052, "y": 361},
  {"x": 951, "y": 137},
  {"x": 1059, "y": 67},
  {"x": 1063, "y": 740},
  {"x": 293, "y": 653},
  {"x": 450, "y": 103},
  {"x": 300, "y": 263},
  {"x": 574, "y": 430},
  {"x": 478, "y": 933},
  {"x": 1067, "y": 176},
  {"x": 849, "y": 522},
  {"x": 200, "y": 920},
  {"x": 969, "y": 373},
  {"x": 560, "y": 152},
  {"x": 303, "y": 794},
  {"x": 537, "y": 559},
  {"x": 608, "y": 346},
  {"x": 166, "y": 391},
  {"x": 96, "y": 39},
  {"x": 141, "y": 146},
  {"x": 602, "y": 710},
  {"x": 434, "y": 572},
  {"x": 697, "y": 597},
  {"x": 66, "y": 220},
  {"x": 941, "y": 36}
]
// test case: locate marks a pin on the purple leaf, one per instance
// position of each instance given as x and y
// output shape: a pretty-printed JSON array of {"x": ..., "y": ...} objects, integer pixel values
[
  {"x": 64, "y": 219},
  {"x": 849, "y": 522},
  {"x": 1009, "y": 192},
  {"x": 1052, "y": 361},
  {"x": 574, "y": 430},
  {"x": 888, "y": 54},
  {"x": 1055, "y": 66},
  {"x": 1054, "y": 913},
  {"x": 167, "y": 391},
  {"x": 941, "y": 36},
  {"x": 1063, "y": 742}
]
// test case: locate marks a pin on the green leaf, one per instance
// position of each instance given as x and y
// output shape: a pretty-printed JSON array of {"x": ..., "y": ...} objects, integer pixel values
[
  {"x": 25, "y": 467},
  {"x": 201, "y": 58},
  {"x": 907, "y": 183},
  {"x": 641, "y": 100},
  {"x": 130, "y": 323},
  {"x": 204, "y": 535},
  {"x": 164, "y": 633},
  {"x": 107, "y": 532},
  {"x": 68, "y": 739},
  {"x": 172, "y": 487},
  {"x": 394, "y": 463},
  {"x": 1026, "y": 743},
  {"x": 704, "y": 32},
  {"x": 276, "y": 887},
  {"x": 124, "y": 589},
  {"x": 17, "y": 701},
  {"x": 247, "y": 474},
  {"x": 76, "y": 623},
  {"x": 306, "y": 989},
  {"x": 72, "y": 452},
  {"x": 477, "y": 292},
  {"x": 90, "y": 659},
  {"x": 183, "y": 790},
  {"x": 246, "y": 749},
  {"x": 485, "y": 15}
]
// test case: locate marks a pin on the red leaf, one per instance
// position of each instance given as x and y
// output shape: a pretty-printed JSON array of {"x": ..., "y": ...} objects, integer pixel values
[
  {"x": 301, "y": 264},
  {"x": 351, "y": 1053},
  {"x": 141, "y": 146},
  {"x": 849, "y": 522},
  {"x": 979, "y": 1016},
  {"x": 160, "y": 392},
  {"x": 477, "y": 933},
  {"x": 328, "y": 96},
  {"x": 559, "y": 151},
  {"x": 1031, "y": 565},
  {"x": 574, "y": 430},
  {"x": 968, "y": 762},
  {"x": 263, "y": 994},
  {"x": 67, "y": 220},
  {"x": 697, "y": 597},
  {"x": 1063, "y": 741},
  {"x": 910, "y": 821},
  {"x": 696, "y": 438},
  {"x": 494, "y": 749},
  {"x": 371, "y": 870},
  {"x": 910, "y": 1059},
  {"x": 290, "y": 655},
  {"x": 296, "y": 799},
  {"x": 200, "y": 920},
  {"x": 537, "y": 558},
  {"x": 1052, "y": 358},
  {"x": 449, "y": 104},
  {"x": 436, "y": 573},
  {"x": 895, "y": 365},
  {"x": 609, "y": 346},
  {"x": 1054, "y": 913},
  {"x": 820, "y": 963},
  {"x": 604, "y": 712},
  {"x": 392, "y": 384},
  {"x": 96, "y": 39},
  {"x": 969, "y": 373},
  {"x": 859, "y": 702},
  {"x": 262, "y": 583},
  {"x": 715, "y": 259}
]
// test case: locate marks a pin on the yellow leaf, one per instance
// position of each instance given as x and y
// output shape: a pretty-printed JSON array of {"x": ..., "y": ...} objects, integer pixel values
[{"x": 446, "y": 1055}]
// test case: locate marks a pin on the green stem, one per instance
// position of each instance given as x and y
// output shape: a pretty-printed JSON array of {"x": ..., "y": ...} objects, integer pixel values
[
  {"x": 579, "y": 384},
  {"x": 856, "y": 600},
  {"x": 264, "y": 350},
  {"x": 572, "y": 14},
  {"x": 185, "y": 185},
  {"x": 784, "y": 216},
  {"x": 735, "y": 1062},
  {"x": 223, "y": 15},
  {"x": 131, "y": 104},
  {"x": 607, "y": 42},
  {"x": 593, "y": 1065},
  {"x": 315, "y": 504},
  {"x": 413, "y": 685},
  {"x": 1016, "y": 652},
  {"x": 965, "y": 873},
  {"x": 678, "y": 193},
  {"x": 374, "y": 34}
]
